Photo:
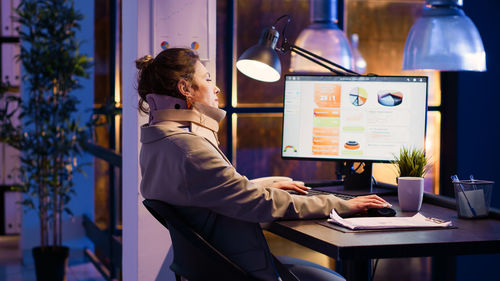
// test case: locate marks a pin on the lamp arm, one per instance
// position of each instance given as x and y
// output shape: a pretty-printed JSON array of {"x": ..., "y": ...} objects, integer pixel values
[
  {"x": 287, "y": 46},
  {"x": 297, "y": 48},
  {"x": 311, "y": 58}
]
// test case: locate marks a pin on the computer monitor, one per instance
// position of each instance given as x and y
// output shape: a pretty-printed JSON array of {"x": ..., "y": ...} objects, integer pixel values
[{"x": 353, "y": 118}]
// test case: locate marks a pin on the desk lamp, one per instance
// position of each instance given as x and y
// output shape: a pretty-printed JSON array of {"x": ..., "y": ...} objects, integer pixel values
[
  {"x": 444, "y": 38},
  {"x": 261, "y": 61}
]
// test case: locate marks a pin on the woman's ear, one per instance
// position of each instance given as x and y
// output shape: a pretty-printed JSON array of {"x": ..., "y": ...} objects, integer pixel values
[{"x": 184, "y": 88}]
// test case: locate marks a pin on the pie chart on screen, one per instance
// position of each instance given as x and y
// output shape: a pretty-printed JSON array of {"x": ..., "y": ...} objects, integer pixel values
[
  {"x": 358, "y": 96},
  {"x": 390, "y": 98}
]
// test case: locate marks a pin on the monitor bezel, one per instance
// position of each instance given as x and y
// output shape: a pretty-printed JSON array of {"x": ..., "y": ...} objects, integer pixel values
[{"x": 347, "y": 159}]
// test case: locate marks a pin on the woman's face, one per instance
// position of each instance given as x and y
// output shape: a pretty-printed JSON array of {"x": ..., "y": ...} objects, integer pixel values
[{"x": 206, "y": 92}]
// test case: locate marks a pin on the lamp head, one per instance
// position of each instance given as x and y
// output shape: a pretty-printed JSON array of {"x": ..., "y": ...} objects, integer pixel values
[
  {"x": 261, "y": 62},
  {"x": 444, "y": 38}
]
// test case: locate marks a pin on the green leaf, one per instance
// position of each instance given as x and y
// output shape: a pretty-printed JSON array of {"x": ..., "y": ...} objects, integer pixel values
[{"x": 411, "y": 162}]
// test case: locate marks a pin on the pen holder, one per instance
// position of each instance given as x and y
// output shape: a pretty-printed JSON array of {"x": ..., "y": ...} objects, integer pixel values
[{"x": 473, "y": 198}]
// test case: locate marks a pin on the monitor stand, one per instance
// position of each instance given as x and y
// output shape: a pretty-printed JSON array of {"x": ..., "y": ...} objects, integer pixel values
[
  {"x": 353, "y": 183},
  {"x": 358, "y": 181}
]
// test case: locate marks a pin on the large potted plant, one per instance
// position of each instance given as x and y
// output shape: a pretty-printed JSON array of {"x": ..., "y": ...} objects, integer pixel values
[
  {"x": 411, "y": 166},
  {"x": 51, "y": 136}
]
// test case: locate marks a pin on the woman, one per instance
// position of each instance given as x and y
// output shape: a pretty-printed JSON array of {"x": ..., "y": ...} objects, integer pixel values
[{"x": 182, "y": 165}]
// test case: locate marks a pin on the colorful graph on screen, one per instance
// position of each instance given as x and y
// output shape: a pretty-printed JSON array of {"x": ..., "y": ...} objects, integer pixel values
[
  {"x": 358, "y": 96},
  {"x": 326, "y": 119},
  {"x": 389, "y": 98},
  {"x": 352, "y": 145}
]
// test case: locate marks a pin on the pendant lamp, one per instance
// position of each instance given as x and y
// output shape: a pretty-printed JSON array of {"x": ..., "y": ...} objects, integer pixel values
[
  {"x": 444, "y": 38},
  {"x": 324, "y": 38}
]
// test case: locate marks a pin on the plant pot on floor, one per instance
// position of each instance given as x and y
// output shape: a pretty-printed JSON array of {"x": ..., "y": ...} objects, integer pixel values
[
  {"x": 51, "y": 263},
  {"x": 410, "y": 193}
]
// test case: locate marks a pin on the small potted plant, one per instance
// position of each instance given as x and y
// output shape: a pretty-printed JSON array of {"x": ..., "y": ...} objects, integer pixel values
[{"x": 411, "y": 165}]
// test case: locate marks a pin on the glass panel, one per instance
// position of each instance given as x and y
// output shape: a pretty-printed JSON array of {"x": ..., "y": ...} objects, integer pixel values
[
  {"x": 258, "y": 151},
  {"x": 107, "y": 94},
  {"x": 101, "y": 193},
  {"x": 118, "y": 199},
  {"x": 382, "y": 34},
  {"x": 387, "y": 172},
  {"x": 384, "y": 173},
  {"x": 251, "y": 17},
  {"x": 432, "y": 150},
  {"x": 382, "y": 31},
  {"x": 101, "y": 52},
  {"x": 222, "y": 71},
  {"x": 434, "y": 98}
]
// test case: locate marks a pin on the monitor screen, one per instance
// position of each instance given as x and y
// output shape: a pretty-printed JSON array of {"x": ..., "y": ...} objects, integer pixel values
[{"x": 358, "y": 118}]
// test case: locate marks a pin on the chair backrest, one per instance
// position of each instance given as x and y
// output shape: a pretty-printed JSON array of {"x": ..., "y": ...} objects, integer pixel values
[{"x": 194, "y": 257}]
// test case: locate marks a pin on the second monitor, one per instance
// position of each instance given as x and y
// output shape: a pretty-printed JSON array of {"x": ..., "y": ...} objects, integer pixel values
[{"x": 353, "y": 118}]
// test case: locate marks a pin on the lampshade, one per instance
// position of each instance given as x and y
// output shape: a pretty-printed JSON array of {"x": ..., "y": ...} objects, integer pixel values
[
  {"x": 261, "y": 62},
  {"x": 324, "y": 38},
  {"x": 359, "y": 61},
  {"x": 444, "y": 38}
]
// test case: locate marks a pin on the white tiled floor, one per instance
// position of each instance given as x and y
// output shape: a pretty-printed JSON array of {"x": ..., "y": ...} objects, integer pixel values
[{"x": 11, "y": 268}]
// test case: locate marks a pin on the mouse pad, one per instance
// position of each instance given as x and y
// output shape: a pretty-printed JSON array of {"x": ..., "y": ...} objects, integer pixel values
[{"x": 347, "y": 230}]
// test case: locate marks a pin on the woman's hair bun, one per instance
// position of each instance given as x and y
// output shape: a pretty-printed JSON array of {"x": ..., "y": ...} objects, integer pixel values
[{"x": 143, "y": 62}]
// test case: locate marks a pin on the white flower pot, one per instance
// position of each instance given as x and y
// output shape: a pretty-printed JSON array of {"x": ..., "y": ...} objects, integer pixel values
[{"x": 410, "y": 193}]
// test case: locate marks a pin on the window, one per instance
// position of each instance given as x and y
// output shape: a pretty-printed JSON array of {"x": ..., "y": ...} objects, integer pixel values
[{"x": 253, "y": 131}]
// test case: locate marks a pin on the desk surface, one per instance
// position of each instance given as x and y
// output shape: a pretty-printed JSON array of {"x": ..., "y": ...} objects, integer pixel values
[{"x": 480, "y": 236}]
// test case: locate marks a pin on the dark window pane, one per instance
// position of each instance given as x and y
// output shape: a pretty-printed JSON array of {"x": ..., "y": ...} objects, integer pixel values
[
  {"x": 258, "y": 151},
  {"x": 251, "y": 18}
]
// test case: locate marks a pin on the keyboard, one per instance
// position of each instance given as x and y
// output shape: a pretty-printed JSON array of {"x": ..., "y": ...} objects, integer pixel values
[{"x": 313, "y": 192}]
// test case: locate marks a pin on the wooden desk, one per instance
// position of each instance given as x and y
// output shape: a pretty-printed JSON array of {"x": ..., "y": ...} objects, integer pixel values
[{"x": 354, "y": 250}]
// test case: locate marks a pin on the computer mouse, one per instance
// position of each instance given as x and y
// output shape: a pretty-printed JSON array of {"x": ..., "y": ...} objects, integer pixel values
[{"x": 380, "y": 212}]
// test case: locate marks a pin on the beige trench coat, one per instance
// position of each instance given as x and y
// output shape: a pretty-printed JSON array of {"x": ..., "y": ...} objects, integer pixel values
[{"x": 182, "y": 165}]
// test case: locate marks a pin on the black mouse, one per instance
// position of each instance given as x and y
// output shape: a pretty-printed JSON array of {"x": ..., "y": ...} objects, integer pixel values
[{"x": 380, "y": 212}]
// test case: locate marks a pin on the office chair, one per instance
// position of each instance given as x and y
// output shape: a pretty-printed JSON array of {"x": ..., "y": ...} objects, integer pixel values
[{"x": 194, "y": 257}]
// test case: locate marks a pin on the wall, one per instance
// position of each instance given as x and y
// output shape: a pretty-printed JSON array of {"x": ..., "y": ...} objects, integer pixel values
[
  {"x": 478, "y": 103},
  {"x": 478, "y": 132},
  {"x": 147, "y": 252},
  {"x": 83, "y": 202}
]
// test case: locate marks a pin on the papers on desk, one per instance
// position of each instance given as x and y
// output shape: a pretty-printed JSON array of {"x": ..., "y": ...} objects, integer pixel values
[{"x": 417, "y": 221}]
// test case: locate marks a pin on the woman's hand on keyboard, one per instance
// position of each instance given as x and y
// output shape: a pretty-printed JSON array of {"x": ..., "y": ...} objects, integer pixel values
[
  {"x": 296, "y": 186},
  {"x": 363, "y": 203}
]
